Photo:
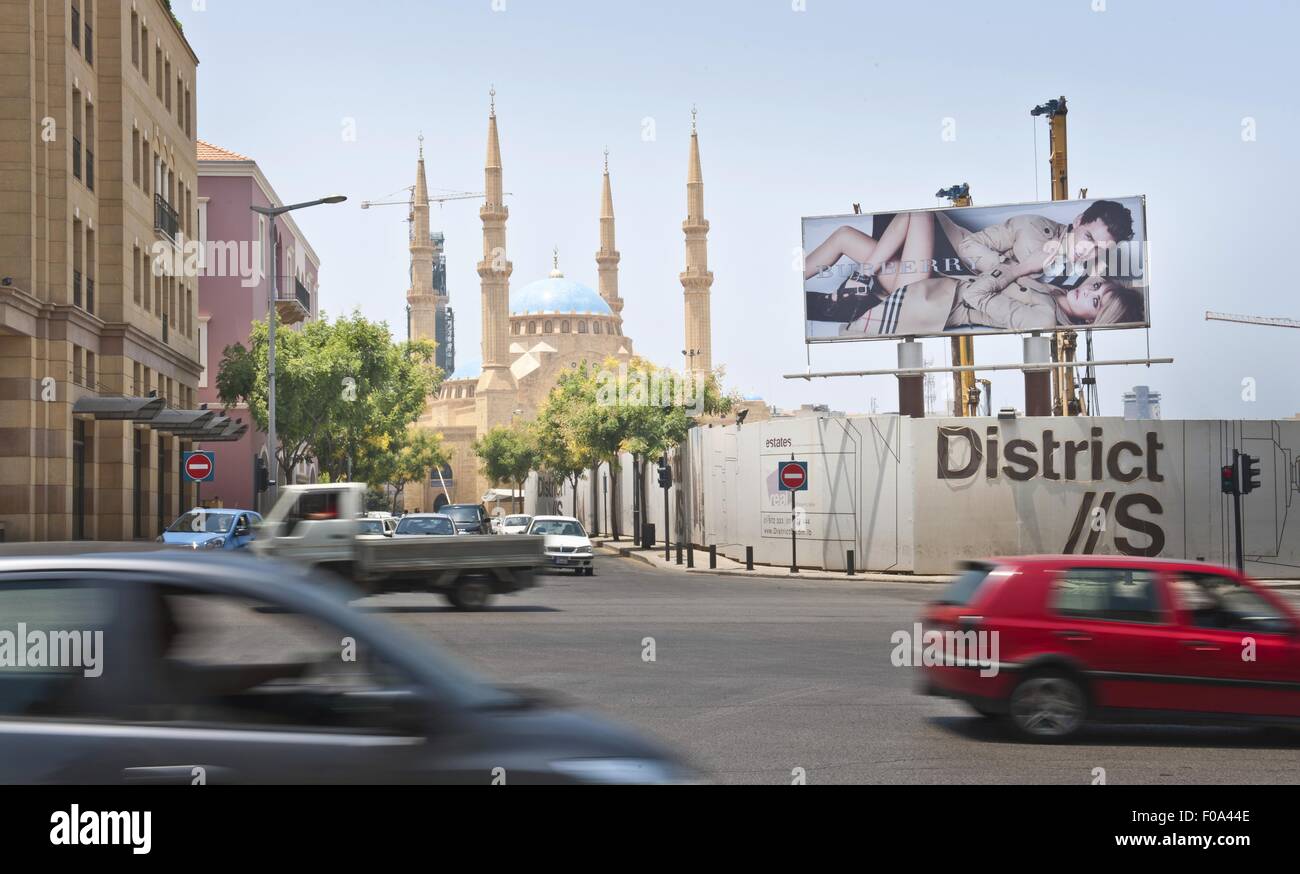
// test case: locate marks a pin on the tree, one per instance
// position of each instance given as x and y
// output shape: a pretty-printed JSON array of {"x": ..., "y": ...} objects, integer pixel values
[
  {"x": 345, "y": 393},
  {"x": 563, "y": 445},
  {"x": 421, "y": 451},
  {"x": 508, "y": 454}
]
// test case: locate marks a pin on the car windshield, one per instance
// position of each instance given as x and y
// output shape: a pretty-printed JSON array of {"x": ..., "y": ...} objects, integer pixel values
[
  {"x": 425, "y": 525},
  {"x": 202, "y": 523},
  {"x": 372, "y": 526},
  {"x": 560, "y": 527},
  {"x": 462, "y": 514},
  {"x": 516, "y": 521}
]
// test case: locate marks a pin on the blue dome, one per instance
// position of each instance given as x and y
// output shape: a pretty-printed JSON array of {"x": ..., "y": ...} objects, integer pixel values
[{"x": 557, "y": 295}]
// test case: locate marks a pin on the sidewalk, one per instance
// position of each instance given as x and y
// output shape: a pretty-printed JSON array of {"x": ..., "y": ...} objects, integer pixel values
[{"x": 730, "y": 568}]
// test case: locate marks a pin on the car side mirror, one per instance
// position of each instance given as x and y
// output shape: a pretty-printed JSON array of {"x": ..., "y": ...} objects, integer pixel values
[{"x": 241, "y": 530}]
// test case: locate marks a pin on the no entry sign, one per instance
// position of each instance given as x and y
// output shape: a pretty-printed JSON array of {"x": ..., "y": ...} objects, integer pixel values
[
  {"x": 793, "y": 476},
  {"x": 199, "y": 467}
]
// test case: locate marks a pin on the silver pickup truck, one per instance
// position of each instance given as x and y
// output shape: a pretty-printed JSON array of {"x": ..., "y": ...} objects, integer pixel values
[{"x": 321, "y": 525}]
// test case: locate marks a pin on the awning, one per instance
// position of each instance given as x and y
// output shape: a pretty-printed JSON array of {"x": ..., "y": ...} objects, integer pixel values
[
  {"x": 182, "y": 423},
  {"x": 232, "y": 430},
  {"x": 493, "y": 495},
  {"x": 118, "y": 409}
]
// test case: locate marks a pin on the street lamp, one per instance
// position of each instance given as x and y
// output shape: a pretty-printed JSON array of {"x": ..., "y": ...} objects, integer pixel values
[{"x": 272, "y": 212}]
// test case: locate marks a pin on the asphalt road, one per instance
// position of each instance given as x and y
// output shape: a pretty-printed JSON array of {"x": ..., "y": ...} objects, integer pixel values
[{"x": 753, "y": 679}]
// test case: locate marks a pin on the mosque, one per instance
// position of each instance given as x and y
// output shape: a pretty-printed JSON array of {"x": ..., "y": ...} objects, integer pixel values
[{"x": 534, "y": 332}]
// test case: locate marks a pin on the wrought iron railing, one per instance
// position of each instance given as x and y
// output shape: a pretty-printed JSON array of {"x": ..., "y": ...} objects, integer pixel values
[{"x": 165, "y": 218}]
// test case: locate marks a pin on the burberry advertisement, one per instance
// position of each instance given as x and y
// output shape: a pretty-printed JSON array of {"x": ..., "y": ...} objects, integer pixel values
[{"x": 976, "y": 270}]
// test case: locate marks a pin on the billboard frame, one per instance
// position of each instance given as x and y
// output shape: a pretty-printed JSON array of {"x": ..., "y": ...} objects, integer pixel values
[{"x": 989, "y": 332}]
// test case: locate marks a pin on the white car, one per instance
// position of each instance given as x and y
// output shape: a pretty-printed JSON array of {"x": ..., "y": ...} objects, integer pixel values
[
  {"x": 567, "y": 544},
  {"x": 516, "y": 524}
]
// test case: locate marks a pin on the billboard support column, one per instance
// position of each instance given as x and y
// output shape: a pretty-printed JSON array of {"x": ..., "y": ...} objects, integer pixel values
[
  {"x": 911, "y": 389},
  {"x": 1038, "y": 383}
]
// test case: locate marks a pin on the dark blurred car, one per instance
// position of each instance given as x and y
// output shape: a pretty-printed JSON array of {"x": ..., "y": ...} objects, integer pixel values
[
  {"x": 239, "y": 670},
  {"x": 1115, "y": 638},
  {"x": 469, "y": 518}
]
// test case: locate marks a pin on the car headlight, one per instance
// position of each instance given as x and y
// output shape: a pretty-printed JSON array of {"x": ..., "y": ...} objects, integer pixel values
[
  {"x": 215, "y": 543},
  {"x": 626, "y": 771}
]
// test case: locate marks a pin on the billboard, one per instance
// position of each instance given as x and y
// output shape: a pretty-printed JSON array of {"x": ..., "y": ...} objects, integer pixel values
[{"x": 976, "y": 270}]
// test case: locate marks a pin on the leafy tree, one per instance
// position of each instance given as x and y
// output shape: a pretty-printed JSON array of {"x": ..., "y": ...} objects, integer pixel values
[
  {"x": 508, "y": 454},
  {"x": 345, "y": 393},
  {"x": 420, "y": 452},
  {"x": 564, "y": 447}
]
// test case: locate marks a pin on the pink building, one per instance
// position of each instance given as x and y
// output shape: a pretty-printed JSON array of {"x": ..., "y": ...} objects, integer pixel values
[{"x": 233, "y": 294}]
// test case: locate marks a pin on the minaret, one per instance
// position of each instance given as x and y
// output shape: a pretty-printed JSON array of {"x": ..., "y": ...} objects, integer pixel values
[
  {"x": 496, "y": 392},
  {"x": 422, "y": 297},
  {"x": 607, "y": 257},
  {"x": 696, "y": 279}
]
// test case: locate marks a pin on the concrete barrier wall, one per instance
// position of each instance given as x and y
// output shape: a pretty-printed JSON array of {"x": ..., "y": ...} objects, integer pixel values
[{"x": 920, "y": 495}]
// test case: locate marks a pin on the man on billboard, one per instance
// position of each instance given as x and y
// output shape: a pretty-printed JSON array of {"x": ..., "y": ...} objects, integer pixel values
[{"x": 1025, "y": 272}]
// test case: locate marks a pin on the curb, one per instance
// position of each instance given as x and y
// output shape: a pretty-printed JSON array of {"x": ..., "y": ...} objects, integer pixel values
[{"x": 772, "y": 573}]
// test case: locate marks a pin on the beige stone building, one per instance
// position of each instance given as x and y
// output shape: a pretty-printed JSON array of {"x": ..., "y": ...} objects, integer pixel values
[
  {"x": 534, "y": 332},
  {"x": 98, "y": 351}
]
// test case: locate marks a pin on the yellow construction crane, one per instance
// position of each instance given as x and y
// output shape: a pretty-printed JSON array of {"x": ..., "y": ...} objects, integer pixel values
[
  {"x": 1066, "y": 401},
  {"x": 965, "y": 391}
]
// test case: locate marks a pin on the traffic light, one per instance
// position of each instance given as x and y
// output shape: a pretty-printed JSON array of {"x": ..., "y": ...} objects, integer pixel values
[
  {"x": 261, "y": 475},
  {"x": 665, "y": 475},
  {"x": 1250, "y": 474},
  {"x": 1228, "y": 479}
]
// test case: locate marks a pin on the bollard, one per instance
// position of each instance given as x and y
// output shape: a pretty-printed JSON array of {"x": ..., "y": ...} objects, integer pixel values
[
  {"x": 749, "y": 558},
  {"x": 690, "y": 555},
  {"x": 679, "y": 552},
  {"x": 850, "y": 562},
  {"x": 713, "y": 556}
]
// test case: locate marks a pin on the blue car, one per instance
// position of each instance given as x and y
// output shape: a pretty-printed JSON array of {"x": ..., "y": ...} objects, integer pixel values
[{"x": 213, "y": 529}]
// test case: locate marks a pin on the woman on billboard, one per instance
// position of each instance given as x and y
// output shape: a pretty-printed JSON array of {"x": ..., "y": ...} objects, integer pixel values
[{"x": 1032, "y": 274}]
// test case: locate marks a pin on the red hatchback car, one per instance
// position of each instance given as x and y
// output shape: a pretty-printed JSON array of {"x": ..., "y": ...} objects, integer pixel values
[{"x": 1068, "y": 639}]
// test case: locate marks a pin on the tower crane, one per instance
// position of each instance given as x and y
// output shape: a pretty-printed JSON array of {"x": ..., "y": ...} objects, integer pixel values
[
  {"x": 433, "y": 198},
  {"x": 1271, "y": 321}
]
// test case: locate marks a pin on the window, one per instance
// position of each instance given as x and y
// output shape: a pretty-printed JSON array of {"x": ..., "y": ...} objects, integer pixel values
[
  {"x": 135, "y": 40},
  {"x": 90, "y": 33},
  {"x": 167, "y": 85},
  {"x": 1110, "y": 594},
  {"x": 1212, "y": 601},
  {"x": 76, "y": 133},
  {"x": 595, "y": 327},
  {"x": 547, "y": 327},
  {"x": 564, "y": 326},
  {"x": 582, "y": 327},
  {"x": 144, "y": 53},
  {"x": 76, "y": 26},
  {"x": 203, "y": 352},
  {"x": 74, "y": 625},
  {"x": 158, "y": 72},
  {"x": 532, "y": 327},
  {"x": 514, "y": 328},
  {"x": 90, "y": 146},
  {"x": 136, "y": 278},
  {"x": 135, "y": 156}
]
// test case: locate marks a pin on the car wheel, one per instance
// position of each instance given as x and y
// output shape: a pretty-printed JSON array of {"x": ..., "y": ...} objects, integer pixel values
[
  {"x": 471, "y": 594},
  {"x": 591, "y": 571},
  {"x": 1048, "y": 707}
]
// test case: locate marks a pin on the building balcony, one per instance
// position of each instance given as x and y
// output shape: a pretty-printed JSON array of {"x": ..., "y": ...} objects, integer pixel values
[
  {"x": 165, "y": 219},
  {"x": 293, "y": 304}
]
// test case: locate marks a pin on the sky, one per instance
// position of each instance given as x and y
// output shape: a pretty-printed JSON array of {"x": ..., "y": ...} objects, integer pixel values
[{"x": 805, "y": 108}]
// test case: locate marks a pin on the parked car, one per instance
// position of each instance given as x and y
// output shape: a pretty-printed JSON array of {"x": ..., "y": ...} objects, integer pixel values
[
  {"x": 1115, "y": 638},
  {"x": 388, "y": 519},
  {"x": 516, "y": 524},
  {"x": 424, "y": 525},
  {"x": 231, "y": 665},
  {"x": 201, "y": 528},
  {"x": 567, "y": 544},
  {"x": 374, "y": 527},
  {"x": 469, "y": 518},
  {"x": 320, "y": 525}
]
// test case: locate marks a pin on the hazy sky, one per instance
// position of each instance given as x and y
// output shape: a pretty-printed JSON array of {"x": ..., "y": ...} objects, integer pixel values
[{"x": 1191, "y": 103}]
